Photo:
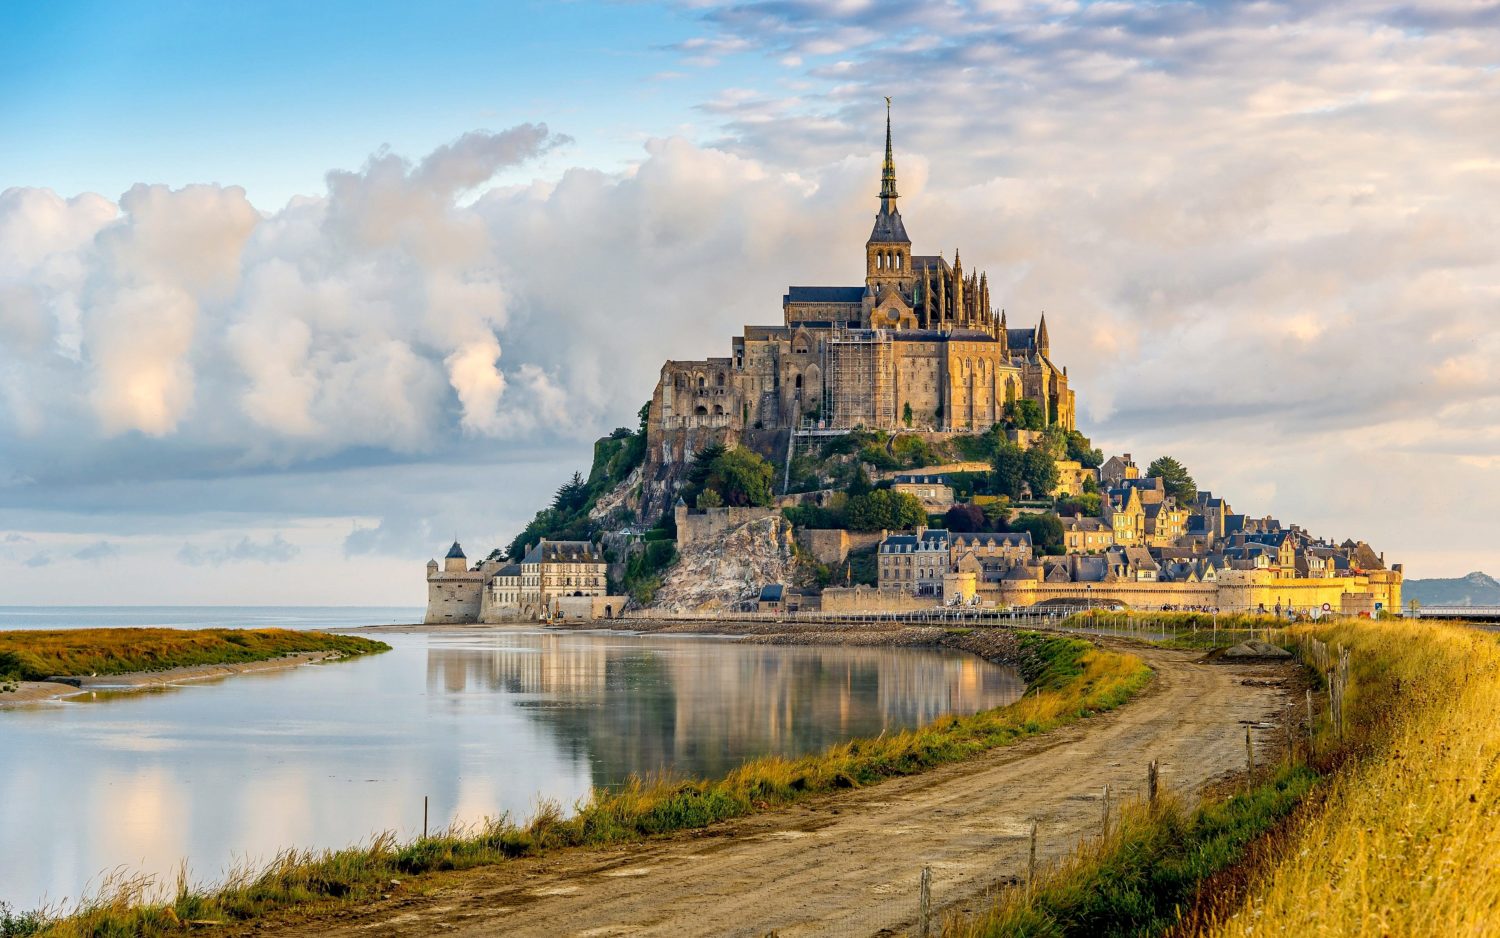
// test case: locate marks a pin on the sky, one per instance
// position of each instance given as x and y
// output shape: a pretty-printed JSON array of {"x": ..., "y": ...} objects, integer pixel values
[{"x": 292, "y": 295}]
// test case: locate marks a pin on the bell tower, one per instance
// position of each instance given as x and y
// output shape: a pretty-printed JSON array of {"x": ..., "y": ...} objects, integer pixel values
[{"x": 888, "y": 252}]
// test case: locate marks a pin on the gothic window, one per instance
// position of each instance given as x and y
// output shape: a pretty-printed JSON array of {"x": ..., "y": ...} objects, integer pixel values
[
  {"x": 798, "y": 383},
  {"x": 719, "y": 379},
  {"x": 700, "y": 381},
  {"x": 701, "y": 411}
]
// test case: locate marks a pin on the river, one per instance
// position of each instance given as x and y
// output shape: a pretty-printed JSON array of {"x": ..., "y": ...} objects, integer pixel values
[{"x": 480, "y": 722}]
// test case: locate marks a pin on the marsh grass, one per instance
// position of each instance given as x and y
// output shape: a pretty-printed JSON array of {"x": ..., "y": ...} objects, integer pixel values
[
  {"x": 28, "y": 655},
  {"x": 1406, "y": 840},
  {"x": 1067, "y": 679},
  {"x": 1132, "y": 881}
]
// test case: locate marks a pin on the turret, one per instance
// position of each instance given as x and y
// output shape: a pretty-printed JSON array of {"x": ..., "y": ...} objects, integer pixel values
[
  {"x": 959, "y": 318},
  {"x": 455, "y": 562}
]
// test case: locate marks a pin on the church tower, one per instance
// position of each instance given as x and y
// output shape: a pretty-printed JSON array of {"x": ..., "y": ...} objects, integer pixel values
[{"x": 888, "y": 252}]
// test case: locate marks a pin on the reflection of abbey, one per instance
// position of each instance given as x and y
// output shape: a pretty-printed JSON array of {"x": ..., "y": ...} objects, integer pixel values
[{"x": 917, "y": 346}]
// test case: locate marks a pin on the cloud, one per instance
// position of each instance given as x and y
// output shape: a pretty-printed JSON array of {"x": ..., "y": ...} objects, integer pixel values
[
  {"x": 275, "y": 549},
  {"x": 40, "y": 559},
  {"x": 100, "y": 550}
]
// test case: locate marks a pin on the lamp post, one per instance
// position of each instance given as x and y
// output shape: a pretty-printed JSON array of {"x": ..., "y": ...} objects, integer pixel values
[{"x": 1088, "y": 593}]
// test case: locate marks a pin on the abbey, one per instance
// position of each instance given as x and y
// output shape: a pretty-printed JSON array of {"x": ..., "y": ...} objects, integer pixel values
[{"x": 917, "y": 347}]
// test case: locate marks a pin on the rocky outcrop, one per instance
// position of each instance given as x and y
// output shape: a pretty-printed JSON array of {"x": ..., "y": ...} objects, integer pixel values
[
  {"x": 726, "y": 571},
  {"x": 618, "y": 499}
]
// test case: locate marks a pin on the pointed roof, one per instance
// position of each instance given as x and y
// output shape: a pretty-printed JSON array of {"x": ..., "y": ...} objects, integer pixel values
[
  {"x": 1041, "y": 335},
  {"x": 888, "y": 226},
  {"x": 455, "y": 552}
]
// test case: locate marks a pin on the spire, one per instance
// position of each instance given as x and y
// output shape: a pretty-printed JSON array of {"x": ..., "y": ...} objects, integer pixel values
[
  {"x": 888, "y": 171},
  {"x": 1041, "y": 336},
  {"x": 888, "y": 227}
]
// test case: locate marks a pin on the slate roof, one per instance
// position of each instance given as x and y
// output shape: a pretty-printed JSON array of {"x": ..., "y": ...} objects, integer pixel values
[
  {"x": 771, "y": 593},
  {"x": 1010, "y": 539},
  {"x": 889, "y": 229},
  {"x": 510, "y": 569},
  {"x": 823, "y": 295},
  {"x": 934, "y": 539},
  {"x": 545, "y": 551},
  {"x": 455, "y": 552}
]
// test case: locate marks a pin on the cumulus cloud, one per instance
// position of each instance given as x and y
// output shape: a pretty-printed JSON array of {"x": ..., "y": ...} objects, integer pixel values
[
  {"x": 1261, "y": 233},
  {"x": 275, "y": 549}
]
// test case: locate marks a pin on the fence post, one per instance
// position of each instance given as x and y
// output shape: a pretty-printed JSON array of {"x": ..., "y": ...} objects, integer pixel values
[
  {"x": 1152, "y": 778},
  {"x": 924, "y": 904},
  {"x": 1249, "y": 758},
  {"x": 1104, "y": 813},
  {"x": 424, "y": 817},
  {"x": 1310, "y": 722},
  {"x": 1031, "y": 866}
]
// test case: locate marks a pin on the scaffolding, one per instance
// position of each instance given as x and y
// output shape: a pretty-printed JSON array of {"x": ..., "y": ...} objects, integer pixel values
[{"x": 859, "y": 382}]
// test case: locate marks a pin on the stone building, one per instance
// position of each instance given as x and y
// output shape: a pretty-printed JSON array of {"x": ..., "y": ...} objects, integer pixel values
[
  {"x": 914, "y": 563},
  {"x": 917, "y": 346},
  {"x": 454, "y": 593}
]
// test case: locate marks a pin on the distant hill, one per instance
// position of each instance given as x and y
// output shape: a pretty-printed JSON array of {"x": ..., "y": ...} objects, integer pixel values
[{"x": 1476, "y": 589}]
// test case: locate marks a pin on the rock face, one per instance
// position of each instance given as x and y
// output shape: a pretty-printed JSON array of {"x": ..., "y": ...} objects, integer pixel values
[
  {"x": 618, "y": 498},
  {"x": 1257, "y": 649},
  {"x": 725, "y": 572}
]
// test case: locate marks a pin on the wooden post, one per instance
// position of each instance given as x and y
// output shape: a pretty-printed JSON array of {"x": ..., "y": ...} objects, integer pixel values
[
  {"x": 1249, "y": 758},
  {"x": 1310, "y": 736},
  {"x": 1152, "y": 777},
  {"x": 1289, "y": 742},
  {"x": 1031, "y": 865},
  {"x": 924, "y": 904},
  {"x": 424, "y": 817},
  {"x": 1104, "y": 813}
]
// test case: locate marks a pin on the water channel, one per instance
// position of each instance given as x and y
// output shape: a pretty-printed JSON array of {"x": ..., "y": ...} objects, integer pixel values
[{"x": 479, "y": 721}]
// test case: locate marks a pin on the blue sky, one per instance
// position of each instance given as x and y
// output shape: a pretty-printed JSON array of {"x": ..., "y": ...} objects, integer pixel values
[
  {"x": 292, "y": 293},
  {"x": 268, "y": 96}
]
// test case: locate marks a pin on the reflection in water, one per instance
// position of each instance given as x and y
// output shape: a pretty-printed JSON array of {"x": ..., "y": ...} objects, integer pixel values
[
  {"x": 479, "y": 722},
  {"x": 701, "y": 707}
]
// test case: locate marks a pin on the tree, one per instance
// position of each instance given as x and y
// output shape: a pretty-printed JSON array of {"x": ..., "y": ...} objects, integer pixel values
[
  {"x": 1008, "y": 468},
  {"x": 1086, "y": 505},
  {"x": 906, "y": 413},
  {"x": 737, "y": 476},
  {"x": 884, "y": 509},
  {"x": 1081, "y": 450},
  {"x": 1174, "y": 479},
  {"x": 1046, "y": 531},
  {"x": 860, "y": 485},
  {"x": 1040, "y": 471},
  {"x": 1026, "y": 414},
  {"x": 708, "y": 498},
  {"x": 965, "y": 519},
  {"x": 571, "y": 496}
]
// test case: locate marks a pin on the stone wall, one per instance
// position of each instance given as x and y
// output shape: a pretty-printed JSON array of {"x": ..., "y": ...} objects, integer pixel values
[
  {"x": 715, "y": 523},
  {"x": 454, "y": 597},
  {"x": 873, "y": 599}
]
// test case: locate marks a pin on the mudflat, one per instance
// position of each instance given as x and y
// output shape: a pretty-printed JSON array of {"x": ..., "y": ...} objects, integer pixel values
[
  {"x": 36, "y": 691},
  {"x": 850, "y": 863}
]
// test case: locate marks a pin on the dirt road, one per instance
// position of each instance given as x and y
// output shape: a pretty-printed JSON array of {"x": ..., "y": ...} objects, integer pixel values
[{"x": 849, "y": 864}]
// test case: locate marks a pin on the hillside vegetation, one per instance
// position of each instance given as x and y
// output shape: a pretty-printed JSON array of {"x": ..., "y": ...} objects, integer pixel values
[{"x": 35, "y": 655}]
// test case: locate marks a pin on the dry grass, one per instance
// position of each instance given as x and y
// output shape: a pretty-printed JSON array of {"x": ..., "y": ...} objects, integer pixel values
[
  {"x": 1407, "y": 840},
  {"x": 35, "y": 655},
  {"x": 1068, "y": 679}
]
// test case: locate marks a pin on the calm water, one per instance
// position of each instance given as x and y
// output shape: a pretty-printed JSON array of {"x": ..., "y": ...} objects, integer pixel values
[{"x": 482, "y": 722}]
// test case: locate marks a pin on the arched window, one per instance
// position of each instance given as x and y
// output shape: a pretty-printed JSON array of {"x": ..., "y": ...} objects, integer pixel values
[
  {"x": 719, "y": 379},
  {"x": 700, "y": 381},
  {"x": 798, "y": 383},
  {"x": 701, "y": 411}
]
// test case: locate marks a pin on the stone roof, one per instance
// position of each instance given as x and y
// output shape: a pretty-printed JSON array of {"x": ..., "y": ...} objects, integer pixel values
[{"x": 823, "y": 295}]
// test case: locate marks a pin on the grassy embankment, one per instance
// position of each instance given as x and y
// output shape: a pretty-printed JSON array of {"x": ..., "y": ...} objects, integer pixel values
[
  {"x": 1186, "y": 630},
  {"x": 36, "y": 655},
  {"x": 1400, "y": 837},
  {"x": 1067, "y": 679}
]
